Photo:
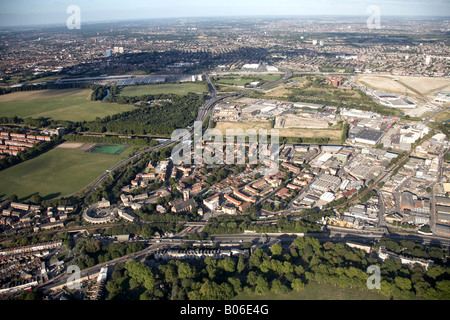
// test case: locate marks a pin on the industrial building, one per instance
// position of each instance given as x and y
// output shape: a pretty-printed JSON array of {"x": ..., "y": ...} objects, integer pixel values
[{"x": 368, "y": 136}]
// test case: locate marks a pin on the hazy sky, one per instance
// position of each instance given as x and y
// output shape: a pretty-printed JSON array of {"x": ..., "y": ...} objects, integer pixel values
[{"x": 29, "y": 12}]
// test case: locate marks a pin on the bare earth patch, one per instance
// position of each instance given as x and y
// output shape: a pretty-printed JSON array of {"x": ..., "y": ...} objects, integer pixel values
[{"x": 71, "y": 145}]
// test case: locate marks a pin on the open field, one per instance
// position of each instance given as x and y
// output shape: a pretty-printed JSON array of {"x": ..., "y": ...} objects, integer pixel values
[
  {"x": 175, "y": 88},
  {"x": 315, "y": 291},
  {"x": 443, "y": 116},
  {"x": 423, "y": 85},
  {"x": 284, "y": 89},
  {"x": 314, "y": 90},
  {"x": 59, "y": 172},
  {"x": 66, "y": 104},
  {"x": 333, "y": 134}
]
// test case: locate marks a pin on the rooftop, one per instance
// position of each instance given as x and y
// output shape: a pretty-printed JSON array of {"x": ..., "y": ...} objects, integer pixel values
[{"x": 370, "y": 135}]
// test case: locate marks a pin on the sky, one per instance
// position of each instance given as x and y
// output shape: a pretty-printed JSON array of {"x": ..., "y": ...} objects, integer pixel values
[{"x": 32, "y": 12}]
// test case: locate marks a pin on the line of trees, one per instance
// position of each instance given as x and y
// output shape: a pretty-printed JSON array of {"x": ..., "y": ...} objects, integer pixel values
[
  {"x": 279, "y": 270},
  {"x": 89, "y": 252},
  {"x": 113, "y": 140},
  {"x": 44, "y": 86}
]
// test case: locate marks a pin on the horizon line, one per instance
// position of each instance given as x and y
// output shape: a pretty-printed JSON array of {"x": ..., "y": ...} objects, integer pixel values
[{"x": 93, "y": 22}]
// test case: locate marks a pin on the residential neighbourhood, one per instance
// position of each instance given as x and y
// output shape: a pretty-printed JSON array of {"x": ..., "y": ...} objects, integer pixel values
[{"x": 207, "y": 158}]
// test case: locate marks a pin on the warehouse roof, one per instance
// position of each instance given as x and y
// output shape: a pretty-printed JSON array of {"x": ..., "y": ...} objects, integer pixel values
[{"x": 370, "y": 135}]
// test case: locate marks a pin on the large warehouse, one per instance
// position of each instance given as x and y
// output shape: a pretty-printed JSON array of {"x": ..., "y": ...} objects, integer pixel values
[{"x": 368, "y": 136}]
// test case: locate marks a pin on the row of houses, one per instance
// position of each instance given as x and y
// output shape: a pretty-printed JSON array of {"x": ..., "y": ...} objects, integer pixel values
[
  {"x": 168, "y": 254},
  {"x": 31, "y": 248},
  {"x": 13, "y": 143},
  {"x": 384, "y": 254}
]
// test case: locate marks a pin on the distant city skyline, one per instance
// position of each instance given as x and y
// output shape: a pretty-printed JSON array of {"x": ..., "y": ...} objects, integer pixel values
[{"x": 28, "y": 12}]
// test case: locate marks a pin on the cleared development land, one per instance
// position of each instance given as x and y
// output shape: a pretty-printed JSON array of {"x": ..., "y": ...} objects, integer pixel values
[
  {"x": 167, "y": 88},
  {"x": 333, "y": 134},
  {"x": 64, "y": 104},
  {"x": 223, "y": 126},
  {"x": 399, "y": 84},
  {"x": 61, "y": 171}
]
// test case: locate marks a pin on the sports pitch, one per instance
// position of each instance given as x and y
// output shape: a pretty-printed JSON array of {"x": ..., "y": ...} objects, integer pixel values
[
  {"x": 107, "y": 149},
  {"x": 58, "y": 172}
]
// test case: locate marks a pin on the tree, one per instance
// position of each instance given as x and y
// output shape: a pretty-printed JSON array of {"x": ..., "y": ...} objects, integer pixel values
[
  {"x": 421, "y": 288},
  {"x": 241, "y": 264},
  {"x": 262, "y": 286},
  {"x": 254, "y": 260},
  {"x": 403, "y": 283},
  {"x": 141, "y": 273},
  {"x": 36, "y": 199},
  {"x": 278, "y": 288},
  {"x": 391, "y": 265},
  {"x": 34, "y": 294},
  {"x": 211, "y": 290},
  {"x": 443, "y": 289},
  {"x": 236, "y": 284},
  {"x": 297, "y": 284},
  {"x": 252, "y": 277},
  {"x": 276, "y": 249},
  {"x": 113, "y": 287},
  {"x": 185, "y": 270},
  {"x": 227, "y": 264},
  {"x": 435, "y": 271},
  {"x": 169, "y": 272},
  {"x": 386, "y": 288}
]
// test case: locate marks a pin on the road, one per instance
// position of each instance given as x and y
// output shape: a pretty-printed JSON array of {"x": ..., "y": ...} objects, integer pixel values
[{"x": 336, "y": 234}]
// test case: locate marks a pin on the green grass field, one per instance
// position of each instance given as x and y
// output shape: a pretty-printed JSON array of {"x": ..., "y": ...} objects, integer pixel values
[
  {"x": 64, "y": 104},
  {"x": 56, "y": 173},
  {"x": 175, "y": 88},
  {"x": 315, "y": 291},
  {"x": 107, "y": 149}
]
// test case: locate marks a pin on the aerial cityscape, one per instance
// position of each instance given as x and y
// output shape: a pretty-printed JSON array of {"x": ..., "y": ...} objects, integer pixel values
[{"x": 212, "y": 152}]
